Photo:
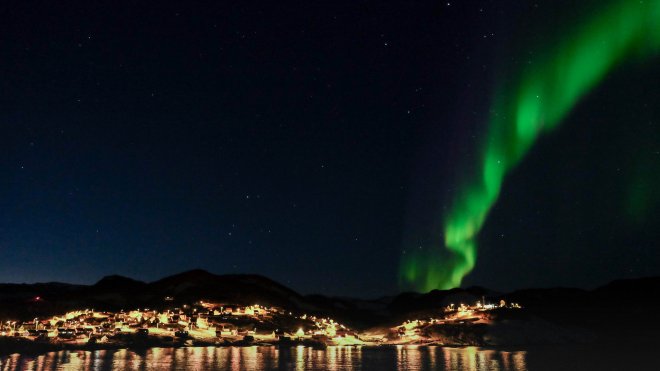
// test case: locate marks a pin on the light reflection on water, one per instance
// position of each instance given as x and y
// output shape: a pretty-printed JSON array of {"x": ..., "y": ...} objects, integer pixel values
[{"x": 273, "y": 358}]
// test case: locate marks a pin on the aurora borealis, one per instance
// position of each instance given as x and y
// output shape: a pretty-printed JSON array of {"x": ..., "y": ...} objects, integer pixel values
[
  {"x": 532, "y": 101},
  {"x": 390, "y": 145}
]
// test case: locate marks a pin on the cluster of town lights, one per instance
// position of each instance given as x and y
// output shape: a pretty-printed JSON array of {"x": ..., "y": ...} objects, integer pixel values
[{"x": 218, "y": 322}]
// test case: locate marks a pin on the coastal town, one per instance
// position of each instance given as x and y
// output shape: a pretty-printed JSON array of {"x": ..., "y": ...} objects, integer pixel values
[
  {"x": 205, "y": 323},
  {"x": 428, "y": 330},
  {"x": 201, "y": 323}
]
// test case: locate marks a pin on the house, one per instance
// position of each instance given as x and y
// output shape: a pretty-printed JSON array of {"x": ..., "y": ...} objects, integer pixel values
[{"x": 65, "y": 333}]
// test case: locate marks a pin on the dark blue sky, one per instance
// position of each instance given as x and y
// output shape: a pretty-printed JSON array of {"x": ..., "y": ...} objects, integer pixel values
[{"x": 307, "y": 141}]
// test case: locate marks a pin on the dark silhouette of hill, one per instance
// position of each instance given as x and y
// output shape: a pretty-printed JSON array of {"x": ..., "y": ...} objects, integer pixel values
[
  {"x": 619, "y": 301},
  {"x": 235, "y": 288},
  {"x": 19, "y": 301},
  {"x": 118, "y": 292},
  {"x": 117, "y": 283},
  {"x": 648, "y": 287}
]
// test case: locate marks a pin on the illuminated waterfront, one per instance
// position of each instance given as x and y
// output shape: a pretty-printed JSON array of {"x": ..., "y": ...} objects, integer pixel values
[
  {"x": 272, "y": 358},
  {"x": 608, "y": 357}
]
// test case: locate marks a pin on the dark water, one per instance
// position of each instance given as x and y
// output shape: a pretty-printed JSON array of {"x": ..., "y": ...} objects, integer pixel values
[{"x": 335, "y": 358}]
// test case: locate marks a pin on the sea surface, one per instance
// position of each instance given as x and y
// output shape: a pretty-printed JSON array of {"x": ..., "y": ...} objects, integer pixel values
[{"x": 340, "y": 358}]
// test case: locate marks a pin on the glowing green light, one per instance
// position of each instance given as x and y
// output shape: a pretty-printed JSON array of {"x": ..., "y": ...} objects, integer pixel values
[{"x": 543, "y": 95}]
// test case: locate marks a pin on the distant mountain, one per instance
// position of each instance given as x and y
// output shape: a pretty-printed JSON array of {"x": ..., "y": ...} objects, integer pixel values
[
  {"x": 118, "y": 292},
  {"x": 648, "y": 287},
  {"x": 20, "y": 291},
  {"x": 117, "y": 283},
  {"x": 607, "y": 304},
  {"x": 234, "y": 288}
]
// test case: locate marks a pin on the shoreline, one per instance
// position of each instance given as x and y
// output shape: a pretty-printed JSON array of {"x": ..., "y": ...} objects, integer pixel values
[
  {"x": 29, "y": 347},
  {"x": 32, "y": 351},
  {"x": 24, "y": 346}
]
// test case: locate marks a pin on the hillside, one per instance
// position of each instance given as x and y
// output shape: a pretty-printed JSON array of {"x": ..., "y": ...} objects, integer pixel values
[{"x": 619, "y": 306}]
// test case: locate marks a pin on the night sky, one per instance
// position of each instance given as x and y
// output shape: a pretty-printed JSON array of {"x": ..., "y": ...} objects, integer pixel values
[{"x": 310, "y": 142}]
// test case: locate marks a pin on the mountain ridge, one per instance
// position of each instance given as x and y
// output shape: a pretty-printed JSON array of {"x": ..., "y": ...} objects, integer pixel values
[{"x": 115, "y": 292}]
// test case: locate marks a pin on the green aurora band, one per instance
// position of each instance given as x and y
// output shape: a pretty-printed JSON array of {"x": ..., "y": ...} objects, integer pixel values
[{"x": 535, "y": 101}]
